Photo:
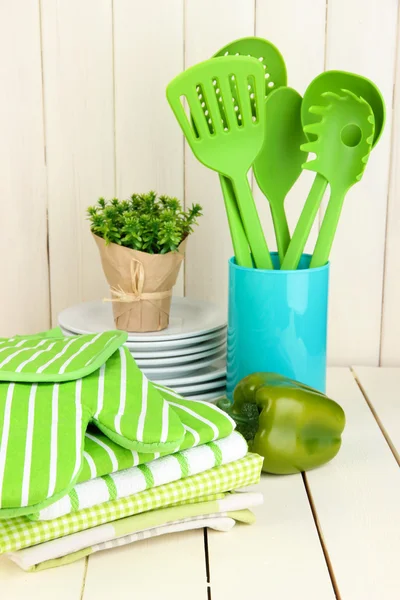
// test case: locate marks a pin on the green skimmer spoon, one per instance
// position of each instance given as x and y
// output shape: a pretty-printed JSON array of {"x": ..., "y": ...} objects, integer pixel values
[
  {"x": 274, "y": 78},
  {"x": 278, "y": 165},
  {"x": 333, "y": 81},
  {"x": 218, "y": 137}
]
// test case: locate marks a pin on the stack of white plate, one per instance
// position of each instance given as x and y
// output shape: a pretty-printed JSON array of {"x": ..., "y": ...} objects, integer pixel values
[{"x": 189, "y": 356}]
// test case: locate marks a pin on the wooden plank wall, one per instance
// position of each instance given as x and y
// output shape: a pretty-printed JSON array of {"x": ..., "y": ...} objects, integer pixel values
[{"x": 83, "y": 114}]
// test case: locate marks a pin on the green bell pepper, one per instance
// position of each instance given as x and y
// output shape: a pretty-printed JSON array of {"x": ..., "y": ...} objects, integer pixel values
[{"x": 294, "y": 427}]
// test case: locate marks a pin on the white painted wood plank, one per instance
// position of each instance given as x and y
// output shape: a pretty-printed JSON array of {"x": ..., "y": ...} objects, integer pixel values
[
  {"x": 357, "y": 499},
  {"x": 284, "y": 23},
  {"x": 79, "y": 113},
  {"x": 23, "y": 227},
  {"x": 168, "y": 567},
  {"x": 382, "y": 389},
  {"x": 148, "y": 47},
  {"x": 390, "y": 342},
  {"x": 210, "y": 24},
  {"x": 63, "y": 583},
  {"x": 279, "y": 556},
  {"x": 361, "y": 38}
]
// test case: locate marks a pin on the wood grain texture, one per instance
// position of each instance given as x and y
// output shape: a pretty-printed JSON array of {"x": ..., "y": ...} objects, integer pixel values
[
  {"x": 23, "y": 225},
  {"x": 355, "y": 42},
  {"x": 390, "y": 341},
  {"x": 148, "y": 53},
  {"x": 63, "y": 583},
  {"x": 357, "y": 498},
  {"x": 209, "y": 25},
  {"x": 381, "y": 387},
  {"x": 79, "y": 118},
  {"x": 279, "y": 557},
  {"x": 284, "y": 24},
  {"x": 168, "y": 567}
]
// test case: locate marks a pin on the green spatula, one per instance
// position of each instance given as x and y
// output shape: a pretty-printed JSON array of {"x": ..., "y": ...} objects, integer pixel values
[
  {"x": 278, "y": 165},
  {"x": 345, "y": 135},
  {"x": 333, "y": 81},
  {"x": 219, "y": 138},
  {"x": 274, "y": 77}
]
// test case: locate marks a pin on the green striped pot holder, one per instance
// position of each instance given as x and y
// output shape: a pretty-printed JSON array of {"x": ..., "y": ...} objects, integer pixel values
[
  {"x": 202, "y": 422},
  {"x": 51, "y": 388}
]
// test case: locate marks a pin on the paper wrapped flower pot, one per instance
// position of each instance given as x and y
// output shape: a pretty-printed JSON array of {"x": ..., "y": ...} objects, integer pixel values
[{"x": 140, "y": 284}]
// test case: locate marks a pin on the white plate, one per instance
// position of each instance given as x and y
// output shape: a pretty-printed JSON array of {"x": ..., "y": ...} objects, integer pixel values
[
  {"x": 177, "y": 344},
  {"x": 176, "y": 347},
  {"x": 179, "y": 360},
  {"x": 179, "y": 352},
  {"x": 200, "y": 387},
  {"x": 216, "y": 370},
  {"x": 189, "y": 318},
  {"x": 163, "y": 373},
  {"x": 208, "y": 397}
]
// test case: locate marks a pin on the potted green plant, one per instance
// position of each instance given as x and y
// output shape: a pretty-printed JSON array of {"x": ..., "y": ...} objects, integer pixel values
[{"x": 142, "y": 243}]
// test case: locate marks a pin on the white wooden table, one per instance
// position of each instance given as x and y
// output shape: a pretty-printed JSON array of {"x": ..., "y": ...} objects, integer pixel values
[{"x": 334, "y": 533}]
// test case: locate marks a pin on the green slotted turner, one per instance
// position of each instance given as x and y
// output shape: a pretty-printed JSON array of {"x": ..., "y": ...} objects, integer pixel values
[
  {"x": 278, "y": 165},
  {"x": 333, "y": 81},
  {"x": 275, "y": 77},
  {"x": 216, "y": 135},
  {"x": 344, "y": 141}
]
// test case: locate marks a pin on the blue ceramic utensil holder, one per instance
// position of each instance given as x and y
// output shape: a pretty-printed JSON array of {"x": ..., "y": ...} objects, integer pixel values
[{"x": 277, "y": 322}]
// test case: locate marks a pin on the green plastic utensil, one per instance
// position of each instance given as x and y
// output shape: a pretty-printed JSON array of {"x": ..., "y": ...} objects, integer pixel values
[
  {"x": 274, "y": 77},
  {"x": 333, "y": 81},
  {"x": 278, "y": 165},
  {"x": 345, "y": 135},
  {"x": 267, "y": 54},
  {"x": 219, "y": 138},
  {"x": 336, "y": 81},
  {"x": 238, "y": 234}
]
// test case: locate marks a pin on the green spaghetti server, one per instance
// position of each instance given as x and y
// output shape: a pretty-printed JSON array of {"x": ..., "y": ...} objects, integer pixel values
[
  {"x": 345, "y": 135},
  {"x": 329, "y": 81}
]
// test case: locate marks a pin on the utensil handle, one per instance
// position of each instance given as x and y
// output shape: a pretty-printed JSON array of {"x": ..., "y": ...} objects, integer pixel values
[
  {"x": 281, "y": 228},
  {"x": 251, "y": 222},
  {"x": 304, "y": 224},
  {"x": 238, "y": 235},
  {"x": 328, "y": 229}
]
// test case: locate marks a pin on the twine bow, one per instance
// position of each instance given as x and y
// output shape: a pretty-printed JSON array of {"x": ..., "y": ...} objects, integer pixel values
[{"x": 137, "y": 294}]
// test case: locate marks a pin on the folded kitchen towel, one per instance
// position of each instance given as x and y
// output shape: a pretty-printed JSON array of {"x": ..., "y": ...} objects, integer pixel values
[
  {"x": 73, "y": 547},
  {"x": 217, "y": 523},
  {"x": 202, "y": 422},
  {"x": 137, "y": 479},
  {"x": 20, "y": 532}
]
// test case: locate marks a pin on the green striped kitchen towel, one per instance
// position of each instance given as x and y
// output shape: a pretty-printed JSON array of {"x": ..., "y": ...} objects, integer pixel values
[
  {"x": 50, "y": 389},
  {"x": 20, "y": 532},
  {"x": 153, "y": 474}
]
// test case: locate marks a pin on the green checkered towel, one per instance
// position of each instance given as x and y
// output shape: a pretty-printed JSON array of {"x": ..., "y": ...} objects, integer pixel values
[{"x": 20, "y": 532}]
